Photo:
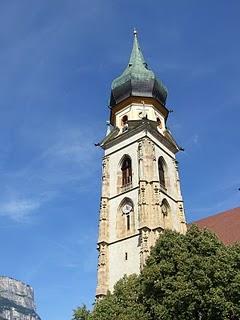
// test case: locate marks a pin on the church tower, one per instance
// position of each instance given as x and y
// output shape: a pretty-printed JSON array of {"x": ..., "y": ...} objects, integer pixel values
[{"x": 141, "y": 193}]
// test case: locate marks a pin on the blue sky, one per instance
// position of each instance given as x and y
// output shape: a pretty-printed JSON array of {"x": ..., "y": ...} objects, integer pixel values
[{"x": 57, "y": 61}]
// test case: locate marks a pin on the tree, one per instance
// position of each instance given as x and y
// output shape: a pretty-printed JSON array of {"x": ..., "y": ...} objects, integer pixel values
[
  {"x": 123, "y": 304},
  {"x": 186, "y": 277},
  {"x": 81, "y": 313},
  {"x": 192, "y": 277}
]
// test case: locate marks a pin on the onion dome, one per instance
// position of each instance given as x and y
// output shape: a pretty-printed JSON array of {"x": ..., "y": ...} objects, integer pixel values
[{"x": 137, "y": 80}]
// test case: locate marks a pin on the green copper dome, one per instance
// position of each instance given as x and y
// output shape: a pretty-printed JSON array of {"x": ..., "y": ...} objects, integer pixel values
[{"x": 137, "y": 80}]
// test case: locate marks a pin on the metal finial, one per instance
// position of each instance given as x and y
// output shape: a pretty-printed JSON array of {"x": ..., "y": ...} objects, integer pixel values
[{"x": 135, "y": 31}]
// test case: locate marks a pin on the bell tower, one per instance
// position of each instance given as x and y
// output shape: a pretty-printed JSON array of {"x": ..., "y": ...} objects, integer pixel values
[{"x": 141, "y": 193}]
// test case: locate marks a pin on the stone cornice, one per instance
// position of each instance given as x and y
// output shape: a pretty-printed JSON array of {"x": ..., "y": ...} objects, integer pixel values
[
  {"x": 119, "y": 240},
  {"x": 124, "y": 192},
  {"x": 141, "y": 125}
]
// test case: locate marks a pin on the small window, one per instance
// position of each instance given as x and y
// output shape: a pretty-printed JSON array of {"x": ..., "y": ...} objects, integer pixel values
[
  {"x": 126, "y": 171},
  {"x": 128, "y": 222},
  {"x": 159, "y": 123},
  {"x": 126, "y": 256},
  {"x": 124, "y": 120},
  {"x": 124, "y": 123}
]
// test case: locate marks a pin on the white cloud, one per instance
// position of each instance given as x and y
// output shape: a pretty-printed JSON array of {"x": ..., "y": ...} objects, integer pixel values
[
  {"x": 19, "y": 210},
  {"x": 67, "y": 162}
]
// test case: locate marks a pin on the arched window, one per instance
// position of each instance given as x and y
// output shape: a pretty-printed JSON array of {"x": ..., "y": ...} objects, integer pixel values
[
  {"x": 126, "y": 171},
  {"x": 165, "y": 208},
  {"x": 159, "y": 123},
  {"x": 124, "y": 123},
  {"x": 127, "y": 209},
  {"x": 125, "y": 219},
  {"x": 124, "y": 120},
  {"x": 161, "y": 172}
]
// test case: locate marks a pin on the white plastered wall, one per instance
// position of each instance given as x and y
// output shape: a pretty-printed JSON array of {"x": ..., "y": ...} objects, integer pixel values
[{"x": 118, "y": 266}]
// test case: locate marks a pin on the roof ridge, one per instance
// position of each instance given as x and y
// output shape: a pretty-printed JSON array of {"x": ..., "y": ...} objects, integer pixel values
[{"x": 217, "y": 214}]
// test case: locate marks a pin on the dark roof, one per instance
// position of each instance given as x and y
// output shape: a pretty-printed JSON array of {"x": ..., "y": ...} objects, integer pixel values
[
  {"x": 226, "y": 225},
  {"x": 137, "y": 80}
]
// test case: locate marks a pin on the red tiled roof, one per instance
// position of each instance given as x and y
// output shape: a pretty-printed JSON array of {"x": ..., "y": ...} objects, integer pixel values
[{"x": 226, "y": 225}]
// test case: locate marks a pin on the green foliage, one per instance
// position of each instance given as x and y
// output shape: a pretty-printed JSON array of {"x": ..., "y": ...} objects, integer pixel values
[
  {"x": 81, "y": 313},
  {"x": 191, "y": 277},
  {"x": 123, "y": 304},
  {"x": 187, "y": 277}
]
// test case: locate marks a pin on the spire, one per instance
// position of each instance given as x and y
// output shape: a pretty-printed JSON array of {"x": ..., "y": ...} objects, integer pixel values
[
  {"x": 137, "y": 80},
  {"x": 136, "y": 55}
]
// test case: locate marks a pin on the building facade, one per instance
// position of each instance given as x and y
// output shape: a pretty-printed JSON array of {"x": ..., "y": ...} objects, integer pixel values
[{"x": 141, "y": 193}]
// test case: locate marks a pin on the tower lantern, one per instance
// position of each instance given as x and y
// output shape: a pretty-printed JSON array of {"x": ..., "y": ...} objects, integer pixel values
[{"x": 141, "y": 193}]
